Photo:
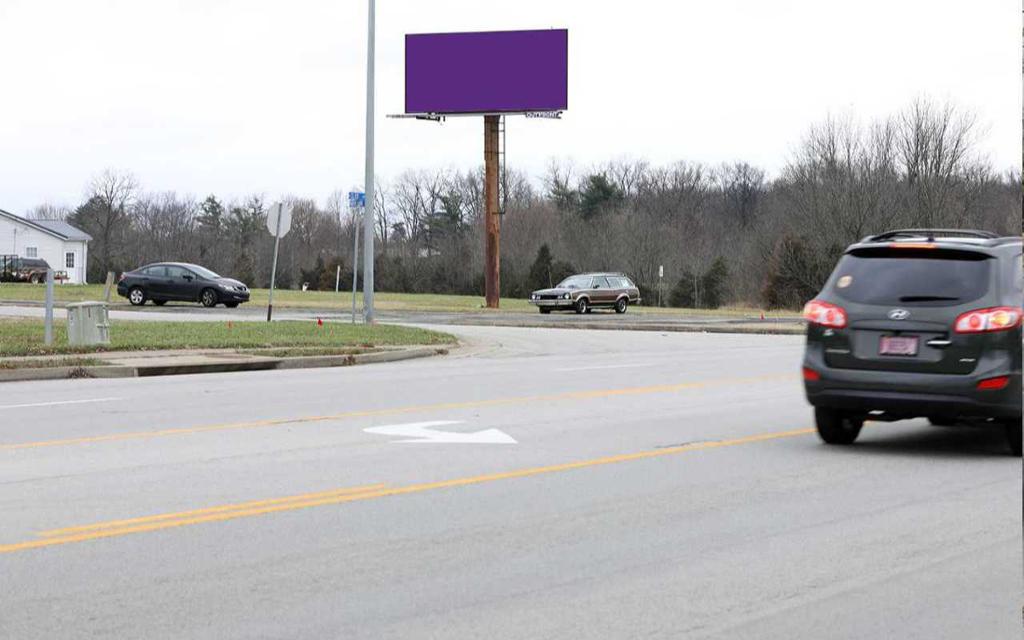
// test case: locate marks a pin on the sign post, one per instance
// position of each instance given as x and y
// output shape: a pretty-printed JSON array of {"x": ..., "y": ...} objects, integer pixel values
[
  {"x": 661, "y": 274},
  {"x": 279, "y": 221},
  {"x": 356, "y": 199}
]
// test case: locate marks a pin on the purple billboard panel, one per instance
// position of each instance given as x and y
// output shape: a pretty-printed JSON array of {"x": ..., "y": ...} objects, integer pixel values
[{"x": 486, "y": 72}]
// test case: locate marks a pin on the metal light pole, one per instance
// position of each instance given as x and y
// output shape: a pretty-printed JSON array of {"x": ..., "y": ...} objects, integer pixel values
[{"x": 368, "y": 186}]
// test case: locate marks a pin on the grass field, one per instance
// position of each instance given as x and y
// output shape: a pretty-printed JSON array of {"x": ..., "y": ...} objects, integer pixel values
[
  {"x": 330, "y": 301},
  {"x": 25, "y": 337}
]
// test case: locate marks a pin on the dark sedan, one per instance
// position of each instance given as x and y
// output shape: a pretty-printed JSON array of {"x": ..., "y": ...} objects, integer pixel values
[
  {"x": 166, "y": 281},
  {"x": 583, "y": 292}
]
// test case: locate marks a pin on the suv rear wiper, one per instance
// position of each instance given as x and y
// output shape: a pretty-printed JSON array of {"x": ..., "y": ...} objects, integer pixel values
[{"x": 927, "y": 298}]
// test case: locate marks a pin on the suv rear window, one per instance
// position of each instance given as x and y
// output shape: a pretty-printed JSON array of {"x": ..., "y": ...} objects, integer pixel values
[{"x": 926, "y": 278}]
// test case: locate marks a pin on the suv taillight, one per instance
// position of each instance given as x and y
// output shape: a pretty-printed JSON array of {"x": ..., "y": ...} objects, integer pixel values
[
  {"x": 986, "y": 320},
  {"x": 825, "y": 314}
]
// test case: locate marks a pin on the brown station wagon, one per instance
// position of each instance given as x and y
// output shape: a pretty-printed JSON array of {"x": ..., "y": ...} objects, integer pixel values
[{"x": 585, "y": 291}]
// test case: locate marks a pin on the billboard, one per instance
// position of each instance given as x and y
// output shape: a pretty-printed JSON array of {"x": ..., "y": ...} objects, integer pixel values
[{"x": 486, "y": 72}]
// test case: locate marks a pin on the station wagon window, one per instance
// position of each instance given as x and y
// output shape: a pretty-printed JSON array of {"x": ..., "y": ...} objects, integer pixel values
[
  {"x": 601, "y": 283},
  {"x": 575, "y": 282},
  {"x": 31, "y": 252}
]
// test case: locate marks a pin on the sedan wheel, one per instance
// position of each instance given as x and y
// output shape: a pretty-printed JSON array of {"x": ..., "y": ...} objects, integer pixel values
[
  {"x": 208, "y": 298},
  {"x": 137, "y": 296},
  {"x": 620, "y": 305}
]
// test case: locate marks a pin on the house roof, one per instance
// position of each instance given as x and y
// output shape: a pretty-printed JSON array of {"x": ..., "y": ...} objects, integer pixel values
[
  {"x": 64, "y": 229},
  {"x": 56, "y": 228}
]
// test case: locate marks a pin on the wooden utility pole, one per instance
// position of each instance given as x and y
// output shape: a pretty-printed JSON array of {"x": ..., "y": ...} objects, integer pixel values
[{"x": 492, "y": 220}]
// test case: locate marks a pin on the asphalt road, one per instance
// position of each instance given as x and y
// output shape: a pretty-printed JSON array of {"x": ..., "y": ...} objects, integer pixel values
[{"x": 660, "y": 485}]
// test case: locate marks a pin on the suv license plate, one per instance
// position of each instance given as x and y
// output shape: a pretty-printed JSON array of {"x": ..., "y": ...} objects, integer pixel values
[{"x": 898, "y": 346}]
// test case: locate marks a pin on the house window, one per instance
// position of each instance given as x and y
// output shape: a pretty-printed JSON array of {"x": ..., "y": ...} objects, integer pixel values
[
  {"x": 31, "y": 252},
  {"x": 69, "y": 260}
]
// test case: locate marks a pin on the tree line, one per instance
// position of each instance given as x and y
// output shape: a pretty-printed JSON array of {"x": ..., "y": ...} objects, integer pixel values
[{"x": 725, "y": 234}]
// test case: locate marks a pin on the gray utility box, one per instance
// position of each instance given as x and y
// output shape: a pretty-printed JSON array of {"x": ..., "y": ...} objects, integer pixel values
[{"x": 88, "y": 323}]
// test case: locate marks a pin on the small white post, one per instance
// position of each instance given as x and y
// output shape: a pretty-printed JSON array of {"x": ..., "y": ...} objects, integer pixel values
[{"x": 48, "y": 322}]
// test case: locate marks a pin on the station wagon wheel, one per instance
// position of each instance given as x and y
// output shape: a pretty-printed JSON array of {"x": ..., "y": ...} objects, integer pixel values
[
  {"x": 137, "y": 296},
  {"x": 620, "y": 305},
  {"x": 582, "y": 306},
  {"x": 208, "y": 297}
]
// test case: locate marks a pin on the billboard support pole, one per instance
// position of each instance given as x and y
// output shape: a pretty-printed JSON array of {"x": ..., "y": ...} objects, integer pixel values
[{"x": 492, "y": 227}]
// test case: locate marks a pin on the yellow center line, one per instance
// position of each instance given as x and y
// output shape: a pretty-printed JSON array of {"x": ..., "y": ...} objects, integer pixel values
[
  {"x": 443, "y": 406},
  {"x": 239, "y": 506},
  {"x": 230, "y": 512}
]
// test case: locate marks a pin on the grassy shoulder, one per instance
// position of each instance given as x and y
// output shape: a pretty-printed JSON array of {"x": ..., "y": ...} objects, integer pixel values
[
  {"x": 25, "y": 337},
  {"x": 49, "y": 363},
  {"x": 329, "y": 300}
]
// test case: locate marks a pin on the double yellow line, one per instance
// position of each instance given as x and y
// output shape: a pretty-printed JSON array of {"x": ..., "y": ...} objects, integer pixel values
[{"x": 115, "y": 528}]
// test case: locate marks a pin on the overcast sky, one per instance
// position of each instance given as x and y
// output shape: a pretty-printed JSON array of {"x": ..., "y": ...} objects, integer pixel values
[{"x": 240, "y": 96}]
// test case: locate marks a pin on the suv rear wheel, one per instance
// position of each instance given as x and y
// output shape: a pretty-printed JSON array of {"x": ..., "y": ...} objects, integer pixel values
[
  {"x": 837, "y": 427},
  {"x": 1013, "y": 436}
]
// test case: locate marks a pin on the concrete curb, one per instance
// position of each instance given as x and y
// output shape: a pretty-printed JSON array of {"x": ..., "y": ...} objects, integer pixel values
[{"x": 260, "y": 364}]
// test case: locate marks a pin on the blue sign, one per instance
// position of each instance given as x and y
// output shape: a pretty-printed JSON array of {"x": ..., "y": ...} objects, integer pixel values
[{"x": 356, "y": 199}]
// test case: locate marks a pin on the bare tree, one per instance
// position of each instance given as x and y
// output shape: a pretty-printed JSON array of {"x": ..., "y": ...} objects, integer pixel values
[
  {"x": 49, "y": 211},
  {"x": 106, "y": 215}
]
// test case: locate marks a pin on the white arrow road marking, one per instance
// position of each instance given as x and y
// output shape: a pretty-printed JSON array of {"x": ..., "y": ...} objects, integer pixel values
[
  {"x": 55, "y": 403},
  {"x": 421, "y": 432}
]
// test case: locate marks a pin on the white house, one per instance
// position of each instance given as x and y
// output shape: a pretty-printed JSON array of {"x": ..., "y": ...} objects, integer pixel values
[{"x": 64, "y": 247}]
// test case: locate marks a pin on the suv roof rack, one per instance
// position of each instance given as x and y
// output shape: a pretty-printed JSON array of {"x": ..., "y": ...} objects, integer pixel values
[{"x": 931, "y": 234}]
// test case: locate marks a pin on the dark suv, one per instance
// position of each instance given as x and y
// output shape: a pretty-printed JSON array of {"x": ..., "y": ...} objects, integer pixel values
[{"x": 918, "y": 323}]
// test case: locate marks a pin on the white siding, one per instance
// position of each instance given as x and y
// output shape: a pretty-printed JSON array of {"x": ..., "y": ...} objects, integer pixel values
[{"x": 15, "y": 237}]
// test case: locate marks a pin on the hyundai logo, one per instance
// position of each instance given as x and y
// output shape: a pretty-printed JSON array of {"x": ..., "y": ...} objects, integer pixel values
[{"x": 899, "y": 314}]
